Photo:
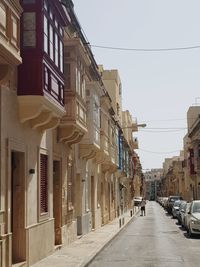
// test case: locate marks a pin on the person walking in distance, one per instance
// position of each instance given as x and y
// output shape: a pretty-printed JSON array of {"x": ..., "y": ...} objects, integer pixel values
[{"x": 142, "y": 205}]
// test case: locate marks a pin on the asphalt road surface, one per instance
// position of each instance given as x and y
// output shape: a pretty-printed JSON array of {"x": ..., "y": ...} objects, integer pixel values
[{"x": 154, "y": 240}]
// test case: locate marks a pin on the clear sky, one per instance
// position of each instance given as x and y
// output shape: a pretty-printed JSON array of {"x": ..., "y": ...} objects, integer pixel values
[{"x": 157, "y": 87}]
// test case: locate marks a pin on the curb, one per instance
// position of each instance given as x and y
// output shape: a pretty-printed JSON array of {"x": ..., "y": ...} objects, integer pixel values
[{"x": 91, "y": 258}]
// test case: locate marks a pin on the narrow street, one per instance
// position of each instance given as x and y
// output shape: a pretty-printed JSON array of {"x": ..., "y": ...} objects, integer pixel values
[{"x": 155, "y": 240}]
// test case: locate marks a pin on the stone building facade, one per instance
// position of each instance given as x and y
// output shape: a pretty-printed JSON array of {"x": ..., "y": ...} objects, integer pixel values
[{"x": 67, "y": 163}]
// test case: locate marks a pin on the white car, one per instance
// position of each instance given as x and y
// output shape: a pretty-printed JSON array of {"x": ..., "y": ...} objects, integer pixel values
[
  {"x": 137, "y": 201},
  {"x": 175, "y": 208},
  {"x": 184, "y": 215},
  {"x": 193, "y": 220}
]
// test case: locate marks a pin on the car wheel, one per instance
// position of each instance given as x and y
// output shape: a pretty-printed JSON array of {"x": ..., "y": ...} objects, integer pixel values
[{"x": 189, "y": 232}]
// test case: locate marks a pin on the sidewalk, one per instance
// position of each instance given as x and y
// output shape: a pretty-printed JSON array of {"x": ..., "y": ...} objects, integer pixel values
[{"x": 81, "y": 252}]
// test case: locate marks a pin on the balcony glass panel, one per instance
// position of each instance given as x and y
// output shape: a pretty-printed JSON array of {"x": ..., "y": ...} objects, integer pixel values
[
  {"x": 96, "y": 135},
  {"x": 29, "y": 27},
  {"x": 3, "y": 17},
  {"x": 45, "y": 35},
  {"x": 51, "y": 42},
  {"x": 14, "y": 31},
  {"x": 56, "y": 49},
  {"x": 61, "y": 57},
  {"x": 45, "y": 5},
  {"x": 78, "y": 79},
  {"x": 54, "y": 85}
]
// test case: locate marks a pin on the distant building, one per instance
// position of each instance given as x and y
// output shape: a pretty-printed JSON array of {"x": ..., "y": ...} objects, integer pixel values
[{"x": 152, "y": 180}]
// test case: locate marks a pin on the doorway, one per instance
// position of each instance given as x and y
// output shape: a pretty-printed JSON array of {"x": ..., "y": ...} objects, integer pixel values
[
  {"x": 18, "y": 207},
  {"x": 57, "y": 201}
]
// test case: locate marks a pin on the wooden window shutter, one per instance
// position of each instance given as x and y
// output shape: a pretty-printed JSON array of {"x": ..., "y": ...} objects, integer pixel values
[{"x": 43, "y": 183}]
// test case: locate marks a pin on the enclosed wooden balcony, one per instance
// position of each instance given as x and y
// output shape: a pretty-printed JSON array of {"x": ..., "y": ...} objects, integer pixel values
[
  {"x": 90, "y": 145},
  {"x": 9, "y": 36},
  {"x": 110, "y": 162},
  {"x": 103, "y": 154},
  {"x": 73, "y": 125}
]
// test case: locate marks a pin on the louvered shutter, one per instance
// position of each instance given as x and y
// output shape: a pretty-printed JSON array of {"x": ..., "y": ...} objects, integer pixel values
[{"x": 43, "y": 183}]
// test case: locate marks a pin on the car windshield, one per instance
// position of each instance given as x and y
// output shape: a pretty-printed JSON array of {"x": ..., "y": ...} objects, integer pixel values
[
  {"x": 196, "y": 207},
  {"x": 174, "y": 199},
  {"x": 183, "y": 206},
  {"x": 176, "y": 204},
  {"x": 183, "y": 203}
]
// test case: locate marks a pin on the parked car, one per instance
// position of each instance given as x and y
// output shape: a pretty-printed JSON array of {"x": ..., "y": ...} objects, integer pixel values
[
  {"x": 137, "y": 201},
  {"x": 175, "y": 208},
  {"x": 184, "y": 215},
  {"x": 193, "y": 226},
  {"x": 181, "y": 209},
  {"x": 170, "y": 202}
]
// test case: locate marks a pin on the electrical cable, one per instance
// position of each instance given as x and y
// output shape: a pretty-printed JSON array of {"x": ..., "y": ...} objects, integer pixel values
[
  {"x": 146, "y": 49},
  {"x": 156, "y": 152},
  {"x": 168, "y": 120},
  {"x": 165, "y": 131},
  {"x": 165, "y": 128}
]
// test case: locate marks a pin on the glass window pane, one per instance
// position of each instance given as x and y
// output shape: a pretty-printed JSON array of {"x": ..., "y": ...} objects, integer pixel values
[
  {"x": 61, "y": 56},
  {"x": 45, "y": 44},
  {"x": 3, "y": 15},
  {"x": 45, "y": 25},
  {"x": 14, "y": 29},
  {"x": 45, "y": 5},
  {"x": 51, "y": 14},
  {"x": 51, "y": 42},
  {"x": 56, "y": 49}
]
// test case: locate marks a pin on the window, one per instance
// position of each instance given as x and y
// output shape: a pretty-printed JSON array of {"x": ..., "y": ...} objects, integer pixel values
[
  {"x": 96, "y": 115},
  {"x": 3, "y": 18},
  {"x": 78, "y": 78},
  {"x": 61, "y": 56},
  {"x": 53, "y": 38},
  {"x": 45, "y": 34},
  {"x": 51, "y": 46},
  {"x": 83, "y": 86},
  {"x": 43, "y": 183},
  {"x": 53, "y": 85},
  {"x": 56, "y": 49},
  {"x": 45, "y": 5},
  {"x": 46, "y": 79},
  {"x": 29, "y": 27}
]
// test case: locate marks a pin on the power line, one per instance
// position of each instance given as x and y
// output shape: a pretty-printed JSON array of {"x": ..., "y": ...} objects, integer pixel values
[
  {"x": 165, "y": 120},
  {"x": 146, "y": 49},
  {"x": 164, "y": 131},
  {"x": 166, "y": 128},
  {"x": 156, "y": 152},
  {"x": 162, "y": 120}
]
